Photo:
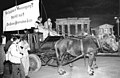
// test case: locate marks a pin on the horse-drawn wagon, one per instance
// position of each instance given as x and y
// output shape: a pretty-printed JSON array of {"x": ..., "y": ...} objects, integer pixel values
[
  {"x": 58, "y": 51},
  {"x": 44, "y": 54}
]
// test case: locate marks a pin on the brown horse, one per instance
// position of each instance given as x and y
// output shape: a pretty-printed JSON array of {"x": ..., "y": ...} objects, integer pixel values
[{"x": 78, "y": 47}]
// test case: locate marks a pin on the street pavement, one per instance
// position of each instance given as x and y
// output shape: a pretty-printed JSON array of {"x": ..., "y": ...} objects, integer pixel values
[{"x": 109, "y": 67}]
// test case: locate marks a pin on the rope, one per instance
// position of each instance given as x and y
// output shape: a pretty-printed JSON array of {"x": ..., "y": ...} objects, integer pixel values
[
  {"x": 42, "y": 5},
  {"x": 41, "y": 8}
]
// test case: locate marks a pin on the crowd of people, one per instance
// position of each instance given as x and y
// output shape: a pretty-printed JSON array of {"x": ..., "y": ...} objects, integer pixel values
[
  {"x": 14, "y": 54},
  {"x": 47, "y": 24}
]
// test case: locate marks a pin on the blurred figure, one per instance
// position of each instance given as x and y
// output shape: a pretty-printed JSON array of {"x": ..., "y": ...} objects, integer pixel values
[
  {"x": 48, "y": 24},
  {"x": 3, "y": 39},
  {"x": 38, "y": 23},
  {"x": 14, "y": 56},
  {"x": 7, "y": 45},
  {"x": 24, "y": 47},
  {"x": 7, "y": 63},
  {"x": 2, "y": 58}
]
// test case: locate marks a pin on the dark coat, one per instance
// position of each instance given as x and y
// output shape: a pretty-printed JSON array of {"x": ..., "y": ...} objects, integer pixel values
[{"x": 7, "y": 45}]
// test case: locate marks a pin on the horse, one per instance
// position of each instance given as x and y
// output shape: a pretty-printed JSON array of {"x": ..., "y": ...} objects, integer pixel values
[
  {"x": 77, "y": 47},
  {"x": 108, "y": 43}
]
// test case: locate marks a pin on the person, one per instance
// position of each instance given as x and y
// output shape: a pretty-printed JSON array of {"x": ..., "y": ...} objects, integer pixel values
[
  {"x": 2, "y": 58},
  {"x": 7, "y": 45},
  {"x": 14, "y": 56},
  {"x": 38, "y": 23},
  {"x": 25, "y": 60},
  {"x": 48, "y": 24},
  {"x": 3, "y": 39},
  {"x": 7, "y": 63}
]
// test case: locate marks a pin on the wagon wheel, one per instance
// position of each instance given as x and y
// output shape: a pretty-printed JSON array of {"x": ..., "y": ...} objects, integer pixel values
[{"x": 35, "y": 63}]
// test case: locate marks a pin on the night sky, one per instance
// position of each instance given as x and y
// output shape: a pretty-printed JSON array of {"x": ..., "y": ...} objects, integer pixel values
[{"x": 99, "y": 11}]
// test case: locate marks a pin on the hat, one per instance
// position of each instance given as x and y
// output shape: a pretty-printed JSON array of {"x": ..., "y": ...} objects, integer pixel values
[{"x": 49, "y": 19}]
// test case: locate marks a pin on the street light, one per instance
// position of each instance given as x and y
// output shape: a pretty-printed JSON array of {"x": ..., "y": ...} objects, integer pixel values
[{"x": 117, "y": 21}]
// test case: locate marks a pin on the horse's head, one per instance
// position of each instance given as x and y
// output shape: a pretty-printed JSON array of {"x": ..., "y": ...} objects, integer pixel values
[
  {"x": 108, "y": 43},
  {"x": 112, "y": 43}
]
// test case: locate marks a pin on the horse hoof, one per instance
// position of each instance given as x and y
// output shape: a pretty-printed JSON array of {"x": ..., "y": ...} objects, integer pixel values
[
  {"x": 96, "y": 67},
  {"x": 91, "y": 73},
  {"x": 62, "y": 72},
  {"x": 70, "y": 65}
]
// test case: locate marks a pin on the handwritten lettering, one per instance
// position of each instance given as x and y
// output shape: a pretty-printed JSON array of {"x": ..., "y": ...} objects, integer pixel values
[
  {"x": 15, "y": 16},
  {"x": 18, "y": 8},
  {"x": 10, "y": 11},
  {"x": 19, "y": 22},
  {"x": 25, "y": 7},
  {"x": 22, "y": 14}
]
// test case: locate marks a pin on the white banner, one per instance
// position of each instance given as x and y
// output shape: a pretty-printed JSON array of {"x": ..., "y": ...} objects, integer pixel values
[{"x": 21, "y": 17}]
